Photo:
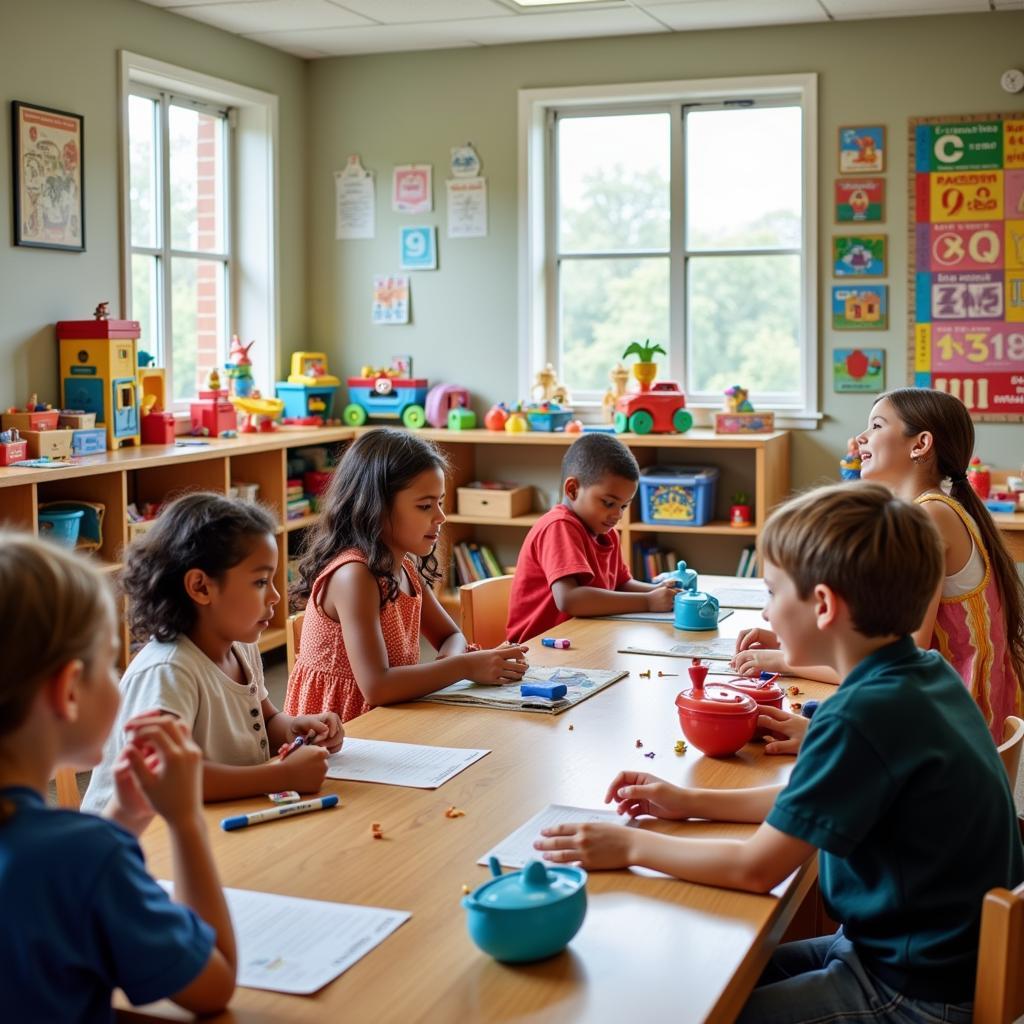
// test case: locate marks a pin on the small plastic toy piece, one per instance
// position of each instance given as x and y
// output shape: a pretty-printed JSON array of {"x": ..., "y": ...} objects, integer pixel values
[
  {"x": 466, "y": 889},
  {"x": 645, "y": 675},
  {"x": 375, "y": 830},
  {"x": 793, "y": 691},
  {"x": 736, "y": 399},
  {"x": 454, "y": 812},
  {"x": 639, "y": 745},
  {"x": 571, "y": 727},
  {"x": 849, "y": 464},
  {"x": 556, "y": 642},
  {"x": 795, "y": 705},
  {"x": 496, "y": 417},
  {"x": 662, "y": 675},
  {"x": 680, "y": 747},
  {"x": 650, "y": 754},
  {"x": 979, "y": 476},
  {"x": 555, "y": 691},
  {"x": 740, "y": 512}
]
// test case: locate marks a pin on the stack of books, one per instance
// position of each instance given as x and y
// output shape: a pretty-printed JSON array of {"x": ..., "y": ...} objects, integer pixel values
[
  {"x": 748, "y": 562},
  {"x": 652, "y": 560},
  {"x": 298, "y": 503},
  {"x": 472, "y": 562}
]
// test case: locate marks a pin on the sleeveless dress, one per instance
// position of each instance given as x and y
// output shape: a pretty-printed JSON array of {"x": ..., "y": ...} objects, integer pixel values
[
  {"x": 970, "y": 633},
  {"x": 322, "y": 679}
]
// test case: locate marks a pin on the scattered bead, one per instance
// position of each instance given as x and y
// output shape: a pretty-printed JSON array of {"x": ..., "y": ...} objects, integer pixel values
[
  {"x": 454, "y": 812},
  {"x": 466, "y": 889},
  {"x": 375, "y": 830},
  {"x": 639, "y": 745},
  {"x": 650, "y": 754},
  {"x": 795, "y": 705},
  {"x": 680, "y": 747},
  {"x": 645, "y": 675},
  {"x": 794, "y": 690},
  {"x": 570, "y": 727}
]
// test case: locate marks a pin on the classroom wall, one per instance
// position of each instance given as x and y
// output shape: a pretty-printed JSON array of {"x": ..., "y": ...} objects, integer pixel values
[
  {"x": 63, "y": 54},
  {"x": 412, "y": 107}
]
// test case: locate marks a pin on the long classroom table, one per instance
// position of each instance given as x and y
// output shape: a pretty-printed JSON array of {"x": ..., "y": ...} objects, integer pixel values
[{"x": 651, "y": 947}]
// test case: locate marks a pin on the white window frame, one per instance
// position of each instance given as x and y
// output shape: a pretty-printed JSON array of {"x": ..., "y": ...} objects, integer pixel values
[
  {"x": 251, "y": 296},
  {"x": 538, "y": 317}
]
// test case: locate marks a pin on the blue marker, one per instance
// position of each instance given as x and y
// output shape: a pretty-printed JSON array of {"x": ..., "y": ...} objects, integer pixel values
[
  {"x": 556, "y": 691},
  {"x": 320, "y": 803}
]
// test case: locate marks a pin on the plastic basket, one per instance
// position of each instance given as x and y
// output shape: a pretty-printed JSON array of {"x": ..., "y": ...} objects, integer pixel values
[{"x": 678, "y": 495}]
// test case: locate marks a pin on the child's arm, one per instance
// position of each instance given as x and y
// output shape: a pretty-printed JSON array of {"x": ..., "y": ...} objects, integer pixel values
[
  {"x": 438, "y": 627},
  {"x": 638, "y": 793},
  {"x": 303, "y": 770},
  {"x": 757, "y": 650},
  {"x": 573, "y": 599},
  {"x": 353, "y": 599},
  {"x": 166, "y": 764},
  {"x": 282, "y": 728}
]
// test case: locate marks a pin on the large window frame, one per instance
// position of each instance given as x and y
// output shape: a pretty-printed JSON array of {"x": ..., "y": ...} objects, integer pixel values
[
  {"x": 249, "y": 249},
  {"x": 539, "y": 311}
]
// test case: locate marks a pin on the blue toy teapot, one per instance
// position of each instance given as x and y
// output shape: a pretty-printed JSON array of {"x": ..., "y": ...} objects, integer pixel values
[
  {"x": 529, "y": 914},
  {"x": 686, "y": 579},
  {"x": 695, "y": 610}
]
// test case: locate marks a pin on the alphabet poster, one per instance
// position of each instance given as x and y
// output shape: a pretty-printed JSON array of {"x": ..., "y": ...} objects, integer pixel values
[{"x": 966, "y": 273}]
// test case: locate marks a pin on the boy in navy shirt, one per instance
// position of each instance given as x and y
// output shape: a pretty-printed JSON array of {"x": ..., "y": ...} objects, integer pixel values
[
  {"x": 81, "y": 916},
  {"x": 897, "y": 785}
]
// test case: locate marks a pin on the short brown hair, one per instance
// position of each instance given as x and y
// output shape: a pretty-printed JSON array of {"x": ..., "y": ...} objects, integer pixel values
[
  {"x": 882, "y": 555},
  {"x": 53, "y": 610}
]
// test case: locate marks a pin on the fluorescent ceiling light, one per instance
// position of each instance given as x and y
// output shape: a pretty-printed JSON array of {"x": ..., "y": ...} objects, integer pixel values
[{"x": 552, "y": 3}]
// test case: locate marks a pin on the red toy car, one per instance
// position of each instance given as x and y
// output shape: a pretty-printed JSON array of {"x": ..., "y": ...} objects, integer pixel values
[{"x": 661, "y": 410}]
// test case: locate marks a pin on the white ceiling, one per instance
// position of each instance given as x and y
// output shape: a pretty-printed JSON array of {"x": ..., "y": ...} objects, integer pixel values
[{"x": 335, "y": 28}]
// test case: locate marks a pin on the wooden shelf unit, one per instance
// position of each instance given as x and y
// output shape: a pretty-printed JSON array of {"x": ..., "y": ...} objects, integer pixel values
[{"x": 155, "y": 473}]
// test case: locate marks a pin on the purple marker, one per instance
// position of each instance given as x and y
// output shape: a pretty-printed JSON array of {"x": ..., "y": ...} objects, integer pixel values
[{"x": 550, "y": 641}]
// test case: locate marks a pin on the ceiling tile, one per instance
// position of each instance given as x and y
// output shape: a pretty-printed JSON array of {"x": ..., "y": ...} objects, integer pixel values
[
  {"x": 196, "y": 3},
  {"x": 340, "y": 42},
  {"x": 397, "y": 12},
  {"x": 528, "y": 28},
  {"x": 842, "y": 9},
  {"x": 273, "y": 15},
  {"x": 705, "y": 14}
]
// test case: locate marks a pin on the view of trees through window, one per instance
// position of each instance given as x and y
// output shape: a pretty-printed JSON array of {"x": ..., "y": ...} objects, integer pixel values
[{"x": 742, "y": 296}]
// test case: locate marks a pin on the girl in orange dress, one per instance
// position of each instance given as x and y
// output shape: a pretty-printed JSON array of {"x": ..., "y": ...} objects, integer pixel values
[{"x": 362, "y": 578}]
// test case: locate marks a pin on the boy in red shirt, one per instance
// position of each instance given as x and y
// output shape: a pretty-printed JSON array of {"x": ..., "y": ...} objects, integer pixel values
[{"x": 570, "y": 564}]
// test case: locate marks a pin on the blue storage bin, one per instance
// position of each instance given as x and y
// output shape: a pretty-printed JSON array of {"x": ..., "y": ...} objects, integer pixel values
[
  {"x": 88, "y": 441},
  {"x": 678, "y": 495},
  {"x": 61, "y": 527}
]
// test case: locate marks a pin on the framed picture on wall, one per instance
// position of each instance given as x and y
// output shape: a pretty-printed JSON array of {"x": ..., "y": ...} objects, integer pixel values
[
  {"x": 858, "y": 370},
  {"x": 864, "y": 307},
  {"x": 859, "y": 255},
  {"x": 48, "y": 180},
  {"x": 859, "y": 200},
  {"x": 862, "y": 149}
]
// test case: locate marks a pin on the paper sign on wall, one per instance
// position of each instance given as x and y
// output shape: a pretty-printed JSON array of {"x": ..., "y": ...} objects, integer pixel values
[
  {"x": 467, "y": 208},
  {"x": 419, "y": 248},
  {"x": 355, "y": 205},
  {"x": 411, "y": 189},
  {"x": 391, "y": 299}
]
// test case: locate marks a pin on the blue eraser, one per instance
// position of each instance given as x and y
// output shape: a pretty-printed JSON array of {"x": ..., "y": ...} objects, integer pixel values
[
  {"x": 554, "y": 692},
  {"x": 810, "y": 706}
]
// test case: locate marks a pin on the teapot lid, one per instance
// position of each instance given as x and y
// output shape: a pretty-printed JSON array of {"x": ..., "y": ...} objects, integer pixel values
[
  {"x": 536, "y": 885},
  {"x": 716, "y": 699},
  {"x": 694, "y": 596}
]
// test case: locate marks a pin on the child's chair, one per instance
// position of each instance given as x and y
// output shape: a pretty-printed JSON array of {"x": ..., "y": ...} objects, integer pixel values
[
  {"x": 483, "y": 608},
  {"x": 1010, "y": 748},
  {"x": 999, "y": 981},
  {"x": 293, "y": 633},
  {"x": 67, "y": 789}
]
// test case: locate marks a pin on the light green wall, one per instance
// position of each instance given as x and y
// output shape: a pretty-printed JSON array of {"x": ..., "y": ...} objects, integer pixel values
[
  {"x": 63, "y": 54},
  {"x": 412, "y": 107}
]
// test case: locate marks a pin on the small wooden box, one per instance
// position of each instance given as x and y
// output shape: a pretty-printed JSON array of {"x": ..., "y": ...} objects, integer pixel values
[
  {"x": 744, "y": 422},
  {"x": 78, "y": 421},
  {"x": 499, "y": 502},
  {"x": 46, "y": 420},
  {"x": 56, "y": 444}
]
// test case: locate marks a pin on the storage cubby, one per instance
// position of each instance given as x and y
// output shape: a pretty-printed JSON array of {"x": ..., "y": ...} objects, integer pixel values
[
  {"x": 107, "y": 489},
  {"x": 266, "y": 469},
  {"x": 18, "y": 507}
]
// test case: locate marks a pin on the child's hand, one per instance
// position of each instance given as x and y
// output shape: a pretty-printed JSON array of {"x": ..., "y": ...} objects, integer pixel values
[
  {"x": 499, "y": 665},
  {"x": 756, "y": 660},
  {"x": 129, "y": 807},
  {"x": 661, "y": 598},
  {"x": 167, "y": 765},
  {"x": 637, "y": 793},
  {"x": 756, "y": 637},
  {"x": 304, "y": 769},
  {"x": 594, "y": 845},
  {"x": 330, "y": 733},
  {"x": 793, "y": 727}
]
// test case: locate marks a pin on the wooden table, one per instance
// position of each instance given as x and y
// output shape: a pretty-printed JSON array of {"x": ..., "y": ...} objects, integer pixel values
[{"x": 651, "y": 948}]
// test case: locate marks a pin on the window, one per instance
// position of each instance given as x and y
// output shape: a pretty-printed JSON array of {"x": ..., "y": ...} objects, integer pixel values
[
  {"x": 199, "y": 207},
  {"x": 180, "y": 252},
  {"x": 679, "y": 212}
]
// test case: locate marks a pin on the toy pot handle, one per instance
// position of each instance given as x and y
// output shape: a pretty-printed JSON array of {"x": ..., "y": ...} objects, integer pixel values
[
  {"x": 495, "y": 866},
  {"x": 709, "y": 609},
  {"x": 698, "y": 673}
]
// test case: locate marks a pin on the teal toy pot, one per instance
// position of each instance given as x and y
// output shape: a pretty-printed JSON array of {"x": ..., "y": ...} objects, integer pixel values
[
  {"x": 694, "y": 610},
  {"x": 61, "y": 527},
  {"x": 529, "y": 914}
]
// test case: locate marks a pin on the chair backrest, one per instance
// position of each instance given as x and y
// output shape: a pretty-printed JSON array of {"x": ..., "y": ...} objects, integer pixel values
[
  {"x": 293, "y": 633},
  {"x": 67, "y": 789},
  {"x": 1010, "y": 748},
  {"x": 483, "y": 608},
  {"x": 999, "y": 981}
]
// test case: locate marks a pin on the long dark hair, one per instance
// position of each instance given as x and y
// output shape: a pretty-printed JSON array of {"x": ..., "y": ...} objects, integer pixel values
[
  {"x": 200, "y": 530},
  {"x": 948, "y": 421},
  {"x": 358, "y": 503}
]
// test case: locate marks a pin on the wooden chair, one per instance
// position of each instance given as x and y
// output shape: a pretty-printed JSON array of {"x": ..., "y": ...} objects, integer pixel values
[
  {"x": 483, "y": 609},
  {"x": 999, "y": 982},
  {"x": 67, "y": 789},
  {"x": 1010, "y": 748},
  {"x": 293, "y": 633}
]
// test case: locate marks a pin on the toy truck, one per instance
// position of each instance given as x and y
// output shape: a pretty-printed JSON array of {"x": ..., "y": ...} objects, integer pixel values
[
  {"x": 661, "y": 410},
  {"x": 386, "y": 397}
]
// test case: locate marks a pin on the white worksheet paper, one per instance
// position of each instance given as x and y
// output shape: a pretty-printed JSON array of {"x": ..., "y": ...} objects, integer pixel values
[
  {"x": 515, "y": 850},
  {"x": 399, "y": 764},
  {"x": 292, "y": 945},
  {"x": 740, "y": 597},
  {"x": 718, "y": 649},
  {"x": 723, "y": 613}
]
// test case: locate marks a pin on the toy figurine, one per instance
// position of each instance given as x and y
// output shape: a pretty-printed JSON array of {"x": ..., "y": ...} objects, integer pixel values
[
  {"x": 849, "y": 464},
  {"x": 517, "y": 422},
  {"x": 619, "y": 376},
  {"x": 979, "y": 476},
  {"x": 740, "y": 512},
  {"x": 102, "y": 311},
  {"x": 545, "y": 382},
  {"x": 213, "y": 380},
  {"x": 736, "y": 400},
  {"x": 496, "y": 417},
  {"x": 644, "y": 369}
]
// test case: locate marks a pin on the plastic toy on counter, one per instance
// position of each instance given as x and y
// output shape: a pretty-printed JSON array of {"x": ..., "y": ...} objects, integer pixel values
[
  {"x": 547, "y": 416},
  {"x": 740, "y": 511},
  {"x": 849, "y": 464},
  {"x": 496, "y": 417},
  {"x": 260, "y": 412},
  {"x": 12, "y": 447},
  {"x": 740, "y": 416},
  {"x": 547, "y": 388},
  {"x": 309, "y": 390},
  {"x": 517, "y": 423},
  {"x": 979, "y": 476},
  {"x": 445, "y": 399},
  {"x": 384, "y": 394},
  {"x": 660, "y": 409}
]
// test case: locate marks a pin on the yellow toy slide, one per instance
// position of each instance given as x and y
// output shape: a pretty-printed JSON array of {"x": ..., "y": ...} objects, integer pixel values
[{"x": 271, "y": 407}]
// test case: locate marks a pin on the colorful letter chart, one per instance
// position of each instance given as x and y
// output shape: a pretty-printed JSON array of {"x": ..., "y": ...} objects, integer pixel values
[{"x": 967, "y": 262}]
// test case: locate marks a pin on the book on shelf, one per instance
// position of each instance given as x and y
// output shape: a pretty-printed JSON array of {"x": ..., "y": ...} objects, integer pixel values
[
  {"x": 651, "y": 560},
  {"x": 472, "y": 562},
  {"x": 748, "y": 562}
]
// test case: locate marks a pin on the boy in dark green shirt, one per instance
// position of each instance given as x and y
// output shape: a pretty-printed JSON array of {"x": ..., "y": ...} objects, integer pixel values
[{"x": 897, "y": 785}]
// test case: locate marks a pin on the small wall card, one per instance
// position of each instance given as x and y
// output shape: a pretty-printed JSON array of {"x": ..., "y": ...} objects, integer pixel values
[
  {"x": 862, "y": 150},
  {"x": 418, "y": 248},
  {"x": 467, "y": 208},
  {"x": 862, "y": 308},
  {"x": 858, "y": 370},
  {"x": 860, "y": 201},
  {"x": 355, "y": 205},
  {"x": 859, "y": 255},
  {"x": 411, "y": 189},
  {"x": 391, "y": 299}
]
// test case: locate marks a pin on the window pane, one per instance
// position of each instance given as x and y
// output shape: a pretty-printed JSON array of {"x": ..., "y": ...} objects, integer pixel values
[
  {"x": 744, "y": 323},
  {"x": 613, "y": 175},
  {"x": 197, "y": 170},
  {"x": 743, "y": 173},
  {"x": 143, "y": 164},
  {"x": 197, "y": 311},
  {"x": 145, "y": 302},
  {"x": 606, "y": 304}
]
